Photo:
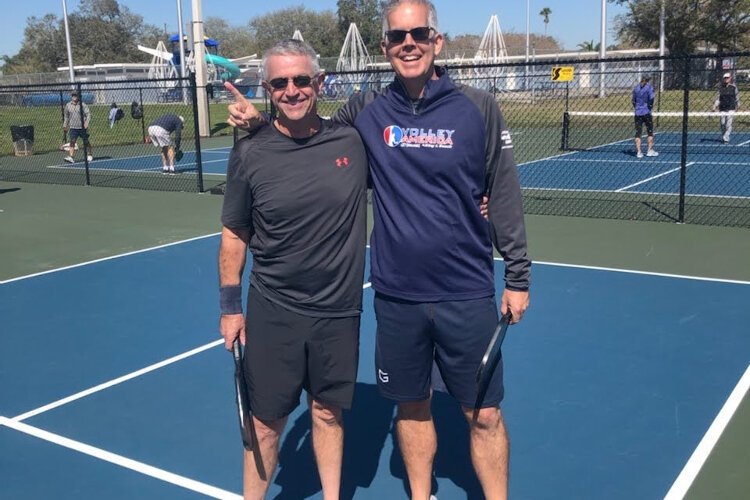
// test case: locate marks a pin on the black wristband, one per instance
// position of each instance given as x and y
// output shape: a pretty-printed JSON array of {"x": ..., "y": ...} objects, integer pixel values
[{"x": 230, "y": 299}]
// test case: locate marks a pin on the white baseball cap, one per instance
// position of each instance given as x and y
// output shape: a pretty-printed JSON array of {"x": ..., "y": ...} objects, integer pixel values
[{"x": 727, "y": 75}]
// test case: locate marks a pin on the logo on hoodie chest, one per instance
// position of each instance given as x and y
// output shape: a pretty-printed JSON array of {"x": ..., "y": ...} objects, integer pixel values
[{"x": 408, "y": 137}]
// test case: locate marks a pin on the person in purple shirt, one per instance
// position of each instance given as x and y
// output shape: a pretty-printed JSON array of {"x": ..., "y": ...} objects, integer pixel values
[{"x": 643, "y": 101}]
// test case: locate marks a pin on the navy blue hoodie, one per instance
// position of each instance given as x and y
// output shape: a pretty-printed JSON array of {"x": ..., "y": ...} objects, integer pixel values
[{"x": 431, "y": 161}]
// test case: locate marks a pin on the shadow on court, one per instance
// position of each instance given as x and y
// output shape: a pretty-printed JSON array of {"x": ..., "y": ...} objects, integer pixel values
[{"x": 369, "y": 428}]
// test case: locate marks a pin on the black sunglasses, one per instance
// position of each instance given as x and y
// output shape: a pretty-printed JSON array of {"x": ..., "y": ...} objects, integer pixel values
[
  {"x": 421, "y": 34},
  {"x": 300, "y": 81}
]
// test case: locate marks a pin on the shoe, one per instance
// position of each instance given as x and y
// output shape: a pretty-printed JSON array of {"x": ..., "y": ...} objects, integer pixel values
[
  {"x": 90, "y": 158},
  {"x": 639, "y": 155},
  {"x": 651, "y": 152},
  {"x": 725, "y": 141},
  {"x": 69, "y": 159},
  {"x": 164, "y": 171},
  {"x": 171, "y": 171}
]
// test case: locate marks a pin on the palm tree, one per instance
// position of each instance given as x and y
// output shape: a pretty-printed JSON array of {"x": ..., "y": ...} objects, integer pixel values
[
  {"x": 545, "y": 12},
  {"x": 589, "y": 46}
]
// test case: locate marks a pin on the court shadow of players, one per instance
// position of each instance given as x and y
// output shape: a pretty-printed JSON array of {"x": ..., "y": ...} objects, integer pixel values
[
  {"x": 452, "y": 460},
  {"x": 218, "y": 127},
  {"x": 366, "y": 425},
  {"x": 10, "y": 190}
]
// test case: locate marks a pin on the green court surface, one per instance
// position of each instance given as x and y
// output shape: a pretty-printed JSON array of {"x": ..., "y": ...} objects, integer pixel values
[{"x": 46, "y": 227}]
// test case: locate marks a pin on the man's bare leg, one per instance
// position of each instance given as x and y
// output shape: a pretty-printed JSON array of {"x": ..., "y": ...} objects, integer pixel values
[
  {"x": 268, "y": 439},
  {"x": 489, "y": 451},
  {"x": 418, "y": 442},
  {"x": 328, "y": 445}
]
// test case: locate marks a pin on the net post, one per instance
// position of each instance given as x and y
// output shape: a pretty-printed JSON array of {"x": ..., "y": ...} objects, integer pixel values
[
  {"x": 683, "y": 153},
  {"x": 565, "y": 128},
  {"x": 196, "y": 133}
]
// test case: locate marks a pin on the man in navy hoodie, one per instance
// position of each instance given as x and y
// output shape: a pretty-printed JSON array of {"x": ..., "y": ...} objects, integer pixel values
[{"x": 435, "y": 149}]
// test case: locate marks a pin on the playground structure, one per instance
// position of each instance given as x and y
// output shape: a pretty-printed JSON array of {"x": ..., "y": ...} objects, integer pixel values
[{"x": 353, "y": 57}]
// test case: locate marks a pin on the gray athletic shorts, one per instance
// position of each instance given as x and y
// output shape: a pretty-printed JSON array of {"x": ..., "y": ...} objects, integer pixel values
[{"x": 286, "y": 352}]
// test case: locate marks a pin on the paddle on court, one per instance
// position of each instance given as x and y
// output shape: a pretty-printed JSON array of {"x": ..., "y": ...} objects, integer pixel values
[
  {"x": 247, "y": 429},
  {"x": 490, "y": 359}
]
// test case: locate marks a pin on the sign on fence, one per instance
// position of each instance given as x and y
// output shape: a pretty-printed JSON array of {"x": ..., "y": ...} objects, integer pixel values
[{"x": 562, "y": 73}]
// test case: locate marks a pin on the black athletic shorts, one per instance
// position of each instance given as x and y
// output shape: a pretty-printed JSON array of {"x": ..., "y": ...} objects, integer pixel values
[
  {"x": 75, "y": 133},
  {"x": 421, "y": 346},
  {"x": 286, "y": 352},
  {"x": 640, "y": 121}
]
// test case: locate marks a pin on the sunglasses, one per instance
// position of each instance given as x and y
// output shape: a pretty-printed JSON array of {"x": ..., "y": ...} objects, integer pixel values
[
  {"x": 421, "y": 34},
  {"x": 300, "y": 81}
]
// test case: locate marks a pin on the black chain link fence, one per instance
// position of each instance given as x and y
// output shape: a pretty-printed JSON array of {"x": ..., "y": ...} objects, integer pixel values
[
  {"x": 573, "y": 135},
  {"x": 35, "y": 148},
  {"x": 574, "y": 140}
]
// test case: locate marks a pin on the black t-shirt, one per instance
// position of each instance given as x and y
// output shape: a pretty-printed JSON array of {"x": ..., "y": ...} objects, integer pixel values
[{"x": 304, "y": 202}]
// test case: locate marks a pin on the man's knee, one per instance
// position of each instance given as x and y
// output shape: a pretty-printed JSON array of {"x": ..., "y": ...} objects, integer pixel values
[
  {"x": 485, "y": 420},
  {"x": 414, "y": 410},
  {"x": 326, "y": 414}
]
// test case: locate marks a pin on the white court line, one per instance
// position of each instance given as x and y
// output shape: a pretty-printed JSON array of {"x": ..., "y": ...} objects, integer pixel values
[
  {"x": 127, "y": 463},
  {"x": 649, "y": 179},
  {"x": 116, "y": 381},
  {"x": 654, "y": 193},
  {"x": 124, "y": 378},
  {"x": 631, "y": 271},
  {"x": 127, "y": 254},
  {"x": 147, "y": 169},
  {"x": 741, "y": 144},
  {"x": 693, "y": 466}
]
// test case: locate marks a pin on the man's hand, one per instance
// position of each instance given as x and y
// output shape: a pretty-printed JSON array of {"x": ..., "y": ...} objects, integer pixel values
[
  {"x": 242, "y": 114},
  {"x": 516, "y": 302},
  {"x": 231, "y": 326},
  {"x": 484, "y": 207}
]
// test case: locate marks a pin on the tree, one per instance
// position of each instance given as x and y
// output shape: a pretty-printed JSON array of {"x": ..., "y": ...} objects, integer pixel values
[
  {"x": 367, "y": 14},
  {"x": 589, "y": 46},
  {"x": 722, "y": 23},
  {"x": 319, "y": 29},
  {"x": 545, "y": 13},
  {"x": 234, "y": 41},
  {"x": 101, "y": 31}
]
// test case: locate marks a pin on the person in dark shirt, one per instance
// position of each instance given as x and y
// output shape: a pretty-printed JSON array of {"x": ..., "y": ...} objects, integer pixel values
[
  {"x": 296, "y": 195},
  {"x": 160, "y": 135},
  {"x": 435, "y": 148},
  {"x": 727, "y": 101}
]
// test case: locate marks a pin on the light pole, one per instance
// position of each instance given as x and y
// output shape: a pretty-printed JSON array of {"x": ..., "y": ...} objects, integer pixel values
[
  {"x": 602, "y": 47},
  {"x": 67, "y": 42},
  {"x": 199, "y": 57},
  {"x": 528, "y": 38}
]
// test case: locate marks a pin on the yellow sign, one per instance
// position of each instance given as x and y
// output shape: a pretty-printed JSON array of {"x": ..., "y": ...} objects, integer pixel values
[{"x": 562, "y": 73}]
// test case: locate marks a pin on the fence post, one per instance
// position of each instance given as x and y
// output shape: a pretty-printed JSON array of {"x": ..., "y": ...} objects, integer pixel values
[
  {"x": 143, "y": 115},
  {"x": 85, "y": 131},
  {"x": 196, "y": 133},
  {"x": 683, "y": 155}
]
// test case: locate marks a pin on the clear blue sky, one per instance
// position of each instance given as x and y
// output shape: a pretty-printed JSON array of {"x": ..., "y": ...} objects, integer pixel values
[{"x": 571, "y": 22}]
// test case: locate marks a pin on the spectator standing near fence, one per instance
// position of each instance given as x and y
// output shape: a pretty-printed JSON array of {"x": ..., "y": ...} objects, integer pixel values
[
  {"x": 643, "y": 102},
  {"x": 160, "y": 134},
  {"x": 727, "y": 101},
  {"x": 76, "y": 118}
]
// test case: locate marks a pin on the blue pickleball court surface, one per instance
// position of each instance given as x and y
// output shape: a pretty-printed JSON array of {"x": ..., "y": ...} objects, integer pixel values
[{"x": 114, "y": 384}]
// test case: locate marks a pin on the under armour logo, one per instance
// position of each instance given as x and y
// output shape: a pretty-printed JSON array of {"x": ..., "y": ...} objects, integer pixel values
[
  {"x": 383, "y": 376},
  {"x": 342, "y": 162}
]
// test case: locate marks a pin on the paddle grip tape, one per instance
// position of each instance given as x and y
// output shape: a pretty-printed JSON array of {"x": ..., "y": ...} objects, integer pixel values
[{"x": 230, "y": 299}]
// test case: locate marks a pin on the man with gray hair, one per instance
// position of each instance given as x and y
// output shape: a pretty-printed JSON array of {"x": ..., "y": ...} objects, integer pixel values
[
  {"x": 296, "y": 195},
  {"x": 435, "y": 149}
]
